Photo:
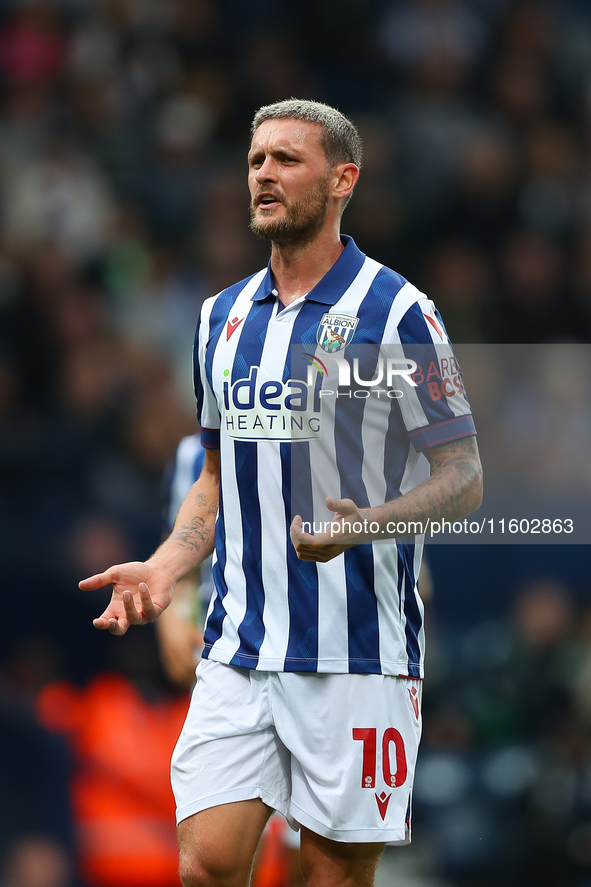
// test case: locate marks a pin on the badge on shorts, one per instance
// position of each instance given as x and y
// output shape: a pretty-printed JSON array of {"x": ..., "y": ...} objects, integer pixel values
[{"x": 336, "y": 331}]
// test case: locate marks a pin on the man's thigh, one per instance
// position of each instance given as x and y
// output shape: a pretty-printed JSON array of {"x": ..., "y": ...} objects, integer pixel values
[
  {"x": 327, "y": 863},
  {"x": 217, "y": 845}
]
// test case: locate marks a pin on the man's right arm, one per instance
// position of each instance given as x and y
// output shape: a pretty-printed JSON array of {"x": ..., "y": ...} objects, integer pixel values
[
  {"x": 192, "y": 537},
  {"x": 141, "y": 591}
]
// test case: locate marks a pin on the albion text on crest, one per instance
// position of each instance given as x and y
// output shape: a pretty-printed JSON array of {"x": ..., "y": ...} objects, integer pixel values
[{"x": 336, "y": 331}]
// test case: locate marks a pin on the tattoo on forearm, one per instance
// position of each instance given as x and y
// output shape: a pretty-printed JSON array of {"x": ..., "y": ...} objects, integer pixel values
[
  {"x": 459, "y": 454},
  {"x": 192, "y": 536},
  {"x": 449, "y": 493},
  {"x": 201, "y": 502}
]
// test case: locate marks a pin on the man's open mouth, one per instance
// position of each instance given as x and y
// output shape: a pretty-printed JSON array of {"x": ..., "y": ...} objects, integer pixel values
[{"x": 267, "y": 201}]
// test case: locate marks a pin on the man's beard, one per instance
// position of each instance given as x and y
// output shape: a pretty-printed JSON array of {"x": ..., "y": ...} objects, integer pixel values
[{"x": 301, "y": 222}]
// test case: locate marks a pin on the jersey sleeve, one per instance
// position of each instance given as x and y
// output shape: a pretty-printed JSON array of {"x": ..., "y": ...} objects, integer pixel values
[
  {"x": 436, "y": 409},
  {"x": 208, "y": 413}
]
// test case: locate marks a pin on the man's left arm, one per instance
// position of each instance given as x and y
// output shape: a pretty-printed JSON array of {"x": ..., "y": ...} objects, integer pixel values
[{"x": 453, "y": 490}]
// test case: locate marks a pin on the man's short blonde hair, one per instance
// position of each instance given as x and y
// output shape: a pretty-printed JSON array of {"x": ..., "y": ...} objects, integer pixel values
[{"x": 340, "y": 138}]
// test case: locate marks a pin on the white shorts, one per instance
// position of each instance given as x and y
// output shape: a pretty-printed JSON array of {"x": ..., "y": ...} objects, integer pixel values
[{"x": 333, "y": 752}]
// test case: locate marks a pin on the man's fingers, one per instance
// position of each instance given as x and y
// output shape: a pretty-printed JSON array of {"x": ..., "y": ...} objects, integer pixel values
[
  {"x": 340, "y": 506},
  {"x": 149, "y": 611},
  {"x": 133, "y": 616},
  {"x": 321, "y": 555},
  {"x": 100, "y": 622},
  {"x": 296, "y": 533},
  {"x": 118, "y": 626},
  {"x": 95, "y": 582},
  {"x": 125, "y": 609},
  {"x": 111, "y": 623}
]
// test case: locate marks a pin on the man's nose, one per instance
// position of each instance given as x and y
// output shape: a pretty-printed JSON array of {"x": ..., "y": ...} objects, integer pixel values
[{"x": 266, "y": 172}]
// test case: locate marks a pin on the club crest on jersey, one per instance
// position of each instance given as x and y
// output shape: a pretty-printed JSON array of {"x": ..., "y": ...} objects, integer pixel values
[{"x": 336, "y": 331}]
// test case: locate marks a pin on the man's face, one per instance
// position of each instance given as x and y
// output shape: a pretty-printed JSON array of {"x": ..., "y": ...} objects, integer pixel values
[{"x": 289, "y": 181}]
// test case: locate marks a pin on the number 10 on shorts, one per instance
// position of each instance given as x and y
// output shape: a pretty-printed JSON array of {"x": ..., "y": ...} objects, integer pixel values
[{"x": 369, "y": 737}]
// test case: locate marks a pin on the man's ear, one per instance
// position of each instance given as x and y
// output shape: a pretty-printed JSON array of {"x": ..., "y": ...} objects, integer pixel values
[{"x": 346, "y": 175}]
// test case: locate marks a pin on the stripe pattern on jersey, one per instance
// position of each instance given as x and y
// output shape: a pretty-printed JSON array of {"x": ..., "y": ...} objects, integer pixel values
[{"x": 360, "y": 612}]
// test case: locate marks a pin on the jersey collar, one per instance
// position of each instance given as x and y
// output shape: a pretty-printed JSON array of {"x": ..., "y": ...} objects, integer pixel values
[{"x": 334, "y": 283}]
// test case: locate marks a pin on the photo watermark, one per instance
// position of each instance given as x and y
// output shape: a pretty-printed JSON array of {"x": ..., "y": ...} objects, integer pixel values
[{"x": 379, "y": 412}]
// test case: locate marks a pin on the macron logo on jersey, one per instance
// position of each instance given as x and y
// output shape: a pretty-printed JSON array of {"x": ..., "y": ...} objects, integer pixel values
[
  {"x": 232, "y": 327},
  {"x": 431, "y": 317}
]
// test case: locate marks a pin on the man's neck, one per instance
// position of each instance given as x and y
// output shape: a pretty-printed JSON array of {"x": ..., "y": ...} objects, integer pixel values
[{"x": 297, "y": 270}]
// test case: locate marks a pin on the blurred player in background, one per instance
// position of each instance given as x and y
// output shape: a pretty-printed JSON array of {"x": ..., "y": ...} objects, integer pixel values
[{"x": 308, "y": 696}]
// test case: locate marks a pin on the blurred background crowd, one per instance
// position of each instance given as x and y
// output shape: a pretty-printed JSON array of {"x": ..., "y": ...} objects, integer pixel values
[{"x": 123, "y": 204}]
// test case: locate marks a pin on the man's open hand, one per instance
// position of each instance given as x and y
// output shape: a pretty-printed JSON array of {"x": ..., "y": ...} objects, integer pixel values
[{"x": 140, "y": 594}]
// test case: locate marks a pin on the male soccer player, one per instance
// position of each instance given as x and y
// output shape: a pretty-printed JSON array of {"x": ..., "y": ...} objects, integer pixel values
[{"x": 325, "y": 383}]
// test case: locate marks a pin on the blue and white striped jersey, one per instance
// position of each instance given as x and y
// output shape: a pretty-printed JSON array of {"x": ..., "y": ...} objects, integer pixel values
[{"x": 337, "y": 394}]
